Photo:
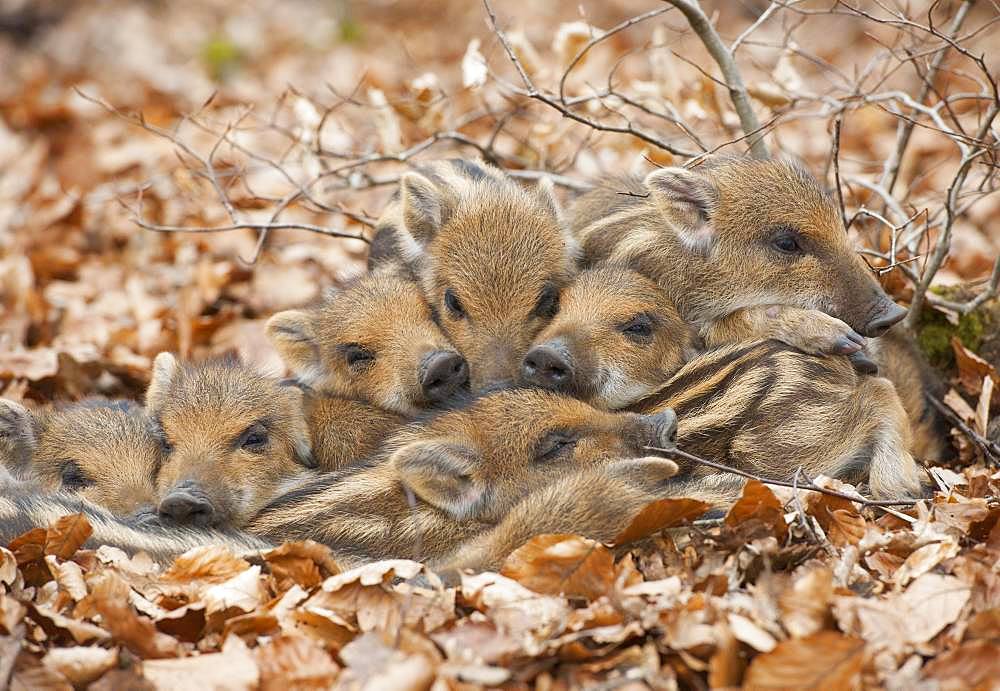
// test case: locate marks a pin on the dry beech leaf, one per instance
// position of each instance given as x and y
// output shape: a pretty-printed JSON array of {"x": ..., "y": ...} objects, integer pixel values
[
  {"x": 8, "y": 566},
  {"x": 69, "y": 576},
  {"x": 243, "y": 591},
  {"x": 930, "y": 603},
  {"x": 659, "y": 515},
  {"x": 824, "y": 660},
  {"x": 375, "y": 573},
  {"x": 211, "y": 563},
  {"x": 972, "y": 369},
  {"x": 758, "y": 502},
  {"x": 233, "y": 669},
  {"x": 109, "y": 595},
  {"x": 838, "y": 518},
  {"x": 565, "y": 565},
  {"x": 81, "y": 665},
  {"x": 924, "y": 559},
  {"x": 11, "y": 614},
  {"x": 295, "y": 662},
  {"x": 29, "y": 547},
  {"x": 975, "y": 665},
  {"x": 302, "y": 563},
  {"x": 805, "y": 604}
]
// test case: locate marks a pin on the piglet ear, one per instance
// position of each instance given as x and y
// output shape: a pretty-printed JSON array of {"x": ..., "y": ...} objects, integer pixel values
[
  {"x": 424, "y": 211},
  {"x": 165, "y": 370},
  {"x": 18, "y": 435},
  {"x": 440, "y": 474},
  {"x": 293, "y": 335},
  {"x": 688, "y": 199}
]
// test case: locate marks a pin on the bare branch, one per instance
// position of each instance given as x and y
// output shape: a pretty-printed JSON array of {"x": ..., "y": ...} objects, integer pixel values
[
  {"x": 794, "y": 484},
  {"x": 724, "y": 59}
]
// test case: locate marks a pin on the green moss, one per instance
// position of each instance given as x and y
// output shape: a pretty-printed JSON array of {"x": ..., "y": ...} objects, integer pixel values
[
  {"x": 350, "y": 30},
  {"x": 221, "y": 57},
  {"x": 935, "y": 331}
]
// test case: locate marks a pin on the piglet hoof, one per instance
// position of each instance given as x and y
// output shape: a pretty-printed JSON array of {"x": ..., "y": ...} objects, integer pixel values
[{"x": 862, "y": 363}]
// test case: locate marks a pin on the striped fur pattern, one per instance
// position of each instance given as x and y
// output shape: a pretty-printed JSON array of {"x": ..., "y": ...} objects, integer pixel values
[
  {"x": 490, "y": 256},
  {"x": 762, "y": 406},
  {"x": 22, "y": 509},
  {"x": 103, "y": 450},
  {"x": 345, "y": 431},
  {"x": 370, "y": 341},
  {"x": 729, "y": 240},
  {"x": 458, "y": 474},
  {"x": 769, "y": 409}
]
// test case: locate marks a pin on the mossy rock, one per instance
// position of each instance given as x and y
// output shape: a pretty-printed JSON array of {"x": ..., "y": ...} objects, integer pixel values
[{"x": 979, "y": 331}]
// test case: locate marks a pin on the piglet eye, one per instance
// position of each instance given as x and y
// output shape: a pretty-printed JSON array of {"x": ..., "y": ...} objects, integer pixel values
[
  {"x": 555, "y": 445},
  {"x": 786, "y": 240},
  {"x": 454, "y": 305},
  {"x": 638, "y": 328},
  {"x": 73, "y": 478},
  {"x": 254, "y": 439},
  {"x": 357, "y": 356},
  {"x": 548, "y": 302}
]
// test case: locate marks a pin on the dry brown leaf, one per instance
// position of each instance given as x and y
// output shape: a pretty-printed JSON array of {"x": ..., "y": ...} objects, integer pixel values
[
  {"x": 924, "y": 559},
  {"x": 69, "y": 576},
  {"x": 972, "y": 369},
  {"x": 109, "y": 595},
  {"x": 838, "y": 517},
  {"x": 726, "y": 666},
  {"x": 8, "y": 566},
  {"x": 824, "y": 660},
  {"x": 805, "y": 604},
  {"x": 243, "y": 591},
  {"x": 659, "y": 515},
  {"x": 974, "y": 665},
  {"x": 81, "y": 665},
  {"x": 759, "y": 503},
  {"x": 67, "y": 534},
  {"x": 210, "y": 563},
  {"x": 295, "y": 662},
  {"x": 374, "y": 573},
  {"x": 565, "y": 565},
  {"x": 233, "y": 669},
  {"x": 304, "y": 563},
  {"x": 931, "y": 602},
  {"x": 11, "y": 614},
  {"x": 29, "y": 547}
]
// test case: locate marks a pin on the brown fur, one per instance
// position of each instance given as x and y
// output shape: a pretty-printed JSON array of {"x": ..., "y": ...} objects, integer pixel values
[
  {"x": 345, "y": 431},
  {"x": 369, "y": 342},
  {"x": 710, "y": 237},
  {"x": 620, "y": 336},
  {"x": 769, "y": 409},
  {"x": 104, "y": 451},
  {"x": 762, "y": 406},
  {"x": 233, "y": 439},
  {"x": 458, "y": 474},
  {"x": 490, "y": 256},
  {"x": 597, "y": 502}
]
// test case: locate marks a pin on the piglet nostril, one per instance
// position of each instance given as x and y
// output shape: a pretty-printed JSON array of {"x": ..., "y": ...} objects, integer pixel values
[
  {"x": 442, "y": 374},
  {"x": 187, "y": 508},
  {"x": 547, "y": 367},
  {"x": 892, "y": 314}
]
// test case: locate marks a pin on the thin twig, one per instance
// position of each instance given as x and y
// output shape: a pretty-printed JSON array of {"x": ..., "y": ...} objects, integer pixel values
[
  {"x": 990, "y": 449},
  {"x": 812, "y": 487},
  {"x": 701, "y": 25}
]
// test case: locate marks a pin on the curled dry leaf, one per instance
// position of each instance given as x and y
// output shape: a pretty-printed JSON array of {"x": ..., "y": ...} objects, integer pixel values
[
  {"x": 824, "y": 660},
  {"x": 374, "y": 573},
  {"x": 972, "y": 666},
  {"x": 295, "y": 662},
  {"x": 69, "y": 576},
  {"x": 562, "y": 565},
  {"x": 243, "y": 591},
  {"x": 81, "y": 665},
  {"x": 109, "y": 595},
  {"x": 838, "y": 518},
  {"x": 805, "y": 605},
  {"x": 659, "y": 515},
  {"x": 304, "y": 563},
  {"x": 210, "y": 563},
  {"x": 758, "y": 502},
  {"x": 8, "y": 566},
  {"x": 972, "y": 369},
  {"x": 233, "y": 669}
]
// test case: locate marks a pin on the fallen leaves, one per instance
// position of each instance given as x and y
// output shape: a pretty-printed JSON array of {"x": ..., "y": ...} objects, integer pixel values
[
  {"x": 562, "y": 565},
  {"x": 825, "y": 660}
]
